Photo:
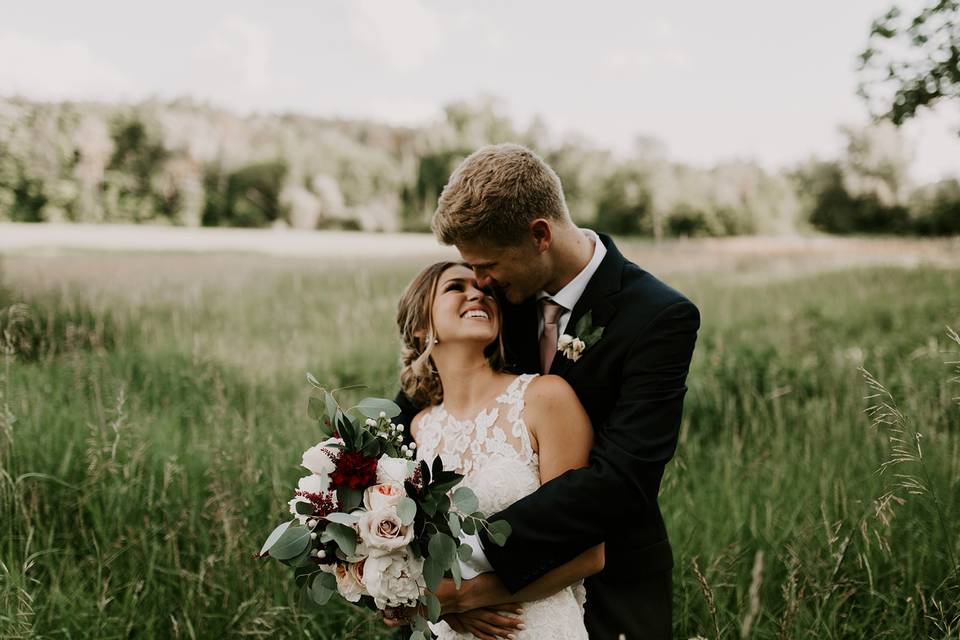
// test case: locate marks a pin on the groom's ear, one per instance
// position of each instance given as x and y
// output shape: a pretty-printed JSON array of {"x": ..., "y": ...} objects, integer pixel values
[{"x": 541, "y": 233}]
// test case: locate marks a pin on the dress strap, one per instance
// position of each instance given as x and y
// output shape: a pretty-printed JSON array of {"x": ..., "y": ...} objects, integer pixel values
[{"x": 513, "y": 398}]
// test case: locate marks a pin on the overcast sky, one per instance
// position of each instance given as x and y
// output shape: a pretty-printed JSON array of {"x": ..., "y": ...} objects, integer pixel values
[{"x": 764, "y": 79}]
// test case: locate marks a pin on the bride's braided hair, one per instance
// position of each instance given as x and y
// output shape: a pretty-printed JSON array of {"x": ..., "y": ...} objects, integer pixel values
[{"x": 418, "y": 376}]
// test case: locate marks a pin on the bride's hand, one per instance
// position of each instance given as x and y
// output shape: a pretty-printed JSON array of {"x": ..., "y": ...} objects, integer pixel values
[{"x": 489, "y": 623}]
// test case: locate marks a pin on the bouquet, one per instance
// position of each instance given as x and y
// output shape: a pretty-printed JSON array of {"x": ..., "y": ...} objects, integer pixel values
[{"x": 369, "y": 522}]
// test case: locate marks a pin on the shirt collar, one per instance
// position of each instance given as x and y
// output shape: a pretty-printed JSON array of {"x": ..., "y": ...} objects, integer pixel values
[{"x": 568, "y": 296}]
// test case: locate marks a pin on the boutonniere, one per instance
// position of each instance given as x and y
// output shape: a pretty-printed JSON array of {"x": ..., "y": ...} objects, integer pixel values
[{"x": 572, "y": 347}]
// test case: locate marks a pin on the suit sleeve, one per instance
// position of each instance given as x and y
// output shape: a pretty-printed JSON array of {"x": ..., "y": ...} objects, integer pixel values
[{"x": 576, "y": 510}]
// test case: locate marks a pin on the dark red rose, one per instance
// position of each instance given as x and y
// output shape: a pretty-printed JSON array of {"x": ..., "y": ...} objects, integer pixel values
[{"x": 354, "y": 471}]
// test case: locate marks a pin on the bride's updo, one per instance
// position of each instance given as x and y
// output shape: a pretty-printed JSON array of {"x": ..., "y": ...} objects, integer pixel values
[{"x": 418, "y": 376}]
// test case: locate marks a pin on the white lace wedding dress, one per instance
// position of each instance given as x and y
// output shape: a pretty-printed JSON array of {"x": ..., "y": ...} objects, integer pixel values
[{"x": 493, "y": 452}]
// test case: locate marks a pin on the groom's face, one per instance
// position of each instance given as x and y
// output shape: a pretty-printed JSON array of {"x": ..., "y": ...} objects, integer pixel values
[{"x": 517, "y": 272}]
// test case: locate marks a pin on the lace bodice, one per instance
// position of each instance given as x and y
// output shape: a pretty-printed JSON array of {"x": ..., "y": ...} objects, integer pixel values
[{"x": 494, "y": 452}]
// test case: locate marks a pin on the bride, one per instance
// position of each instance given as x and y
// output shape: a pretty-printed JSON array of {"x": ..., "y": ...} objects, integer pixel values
[{"x": 507, "y": 434}]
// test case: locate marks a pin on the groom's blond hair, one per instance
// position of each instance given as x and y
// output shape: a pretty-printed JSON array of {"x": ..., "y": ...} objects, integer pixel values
[{"x": 494, "y": 195}]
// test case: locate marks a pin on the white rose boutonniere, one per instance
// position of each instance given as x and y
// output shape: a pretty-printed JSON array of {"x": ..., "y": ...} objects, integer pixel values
[{"x": 572, "y": 347}]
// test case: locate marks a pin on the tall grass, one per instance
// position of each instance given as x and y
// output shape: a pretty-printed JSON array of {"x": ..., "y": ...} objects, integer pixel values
[{"x": 143, "y": 463}]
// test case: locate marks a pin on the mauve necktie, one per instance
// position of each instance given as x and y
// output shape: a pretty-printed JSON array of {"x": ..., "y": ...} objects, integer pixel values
[{"x": 548, "y": 339}]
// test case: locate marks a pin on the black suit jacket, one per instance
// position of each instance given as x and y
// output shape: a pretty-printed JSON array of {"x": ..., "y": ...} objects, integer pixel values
[{"x": 632, "y": 384}]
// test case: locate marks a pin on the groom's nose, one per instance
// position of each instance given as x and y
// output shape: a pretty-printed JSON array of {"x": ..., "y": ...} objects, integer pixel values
[{"x": 484, "y": 280}]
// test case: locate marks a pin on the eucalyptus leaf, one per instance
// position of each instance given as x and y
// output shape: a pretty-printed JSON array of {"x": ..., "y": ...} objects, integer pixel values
[
  {"x": 469, "y": 526},
  {"x": 303, "y": 573},
  {"x": 443, "y": 548},
  {"x": 312, "y": 380},
  {"x": 343, "y": 518},
  {"x": 432, "y": 573},
  {"x": 499, "y": 531},
  {"x": 455, "y": 573},
  {"x": 274, "y": 536},
  {"x": 344, "y": 536},
  {"x": 464, "y": 552},
  {"x": 465, "y": 500},
  {"x": 349, "y": 499},
  {"x": 331, "y": 404},
  {"x": 328, "y": 580},
  {"x": 291, "y": 543},
  {"x": 407, "y": 510},
  {"x": 372, "y": 407},
  {"x": 320, "y": 594},
  {"x": 433, "y": 608},
  {"x": 420, "y": 624},
  {"x": 454, "y": 521}
]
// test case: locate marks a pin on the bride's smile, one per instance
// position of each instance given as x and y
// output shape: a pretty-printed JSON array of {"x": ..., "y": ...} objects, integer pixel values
[{"x": 462, "y": 310}]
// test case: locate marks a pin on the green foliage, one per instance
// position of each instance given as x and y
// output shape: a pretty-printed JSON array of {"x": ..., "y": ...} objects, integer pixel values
[
  {"x": 433, "y": 171},
  {"x": 247, "y": 197},
  {"x": 171, "y": 163},
  {"x": 138, "y": 481},
  {"x": 625, "y": 206},
  {"x": 912, "y": 60},
  {"x": 935, "y": 208},
  {"x": 835, "y": 210}
]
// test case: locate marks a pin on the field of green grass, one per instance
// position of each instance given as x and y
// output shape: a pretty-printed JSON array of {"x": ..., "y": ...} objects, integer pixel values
[{"x": 153, "y": 410}]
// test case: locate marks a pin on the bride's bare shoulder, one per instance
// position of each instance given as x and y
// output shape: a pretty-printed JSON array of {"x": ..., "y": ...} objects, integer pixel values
[{"x": 549, "y": 396}]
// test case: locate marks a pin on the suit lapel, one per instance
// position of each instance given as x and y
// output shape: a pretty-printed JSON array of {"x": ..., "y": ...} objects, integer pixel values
[{"x": 605, "y": 281}]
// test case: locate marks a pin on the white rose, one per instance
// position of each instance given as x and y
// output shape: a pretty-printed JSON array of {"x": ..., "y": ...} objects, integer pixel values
[
  {"x": 393, "y": 470},
  {"x": 394, "y": 580},
  {"x": 350, "y": 580},
  {"x": 382, "y": 496},
  {"x": 314, "y": 483},
  {"x": 382, "y": 532},
  {"x": 564, "y": 341},
  {"x": 573, "y": 349},
  {"x": 320, "y": 458}
]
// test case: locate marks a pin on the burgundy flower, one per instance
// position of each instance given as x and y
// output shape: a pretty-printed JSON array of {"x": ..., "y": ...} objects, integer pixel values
[
  {"x": 354, "y": 471},
  {"x": 323, "y": 504}
]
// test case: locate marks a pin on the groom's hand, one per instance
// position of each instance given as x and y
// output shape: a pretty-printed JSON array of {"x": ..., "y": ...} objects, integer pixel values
[{"x": 489, "y": 623}]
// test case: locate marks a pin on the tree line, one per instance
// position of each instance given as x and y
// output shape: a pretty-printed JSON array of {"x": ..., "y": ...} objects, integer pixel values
[{"x": 185, "y": 163}]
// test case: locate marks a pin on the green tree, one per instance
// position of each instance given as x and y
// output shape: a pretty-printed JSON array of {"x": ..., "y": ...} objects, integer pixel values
[
  {"x": 912, "y": 60},
  {"x": 625, "y": 205},
  {"x": 248, "y": 197}
]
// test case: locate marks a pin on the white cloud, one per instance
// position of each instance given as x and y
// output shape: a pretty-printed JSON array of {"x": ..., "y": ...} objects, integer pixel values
[
  {"x": 57, "y": 69},
  {"x": 403, "y": 33}
]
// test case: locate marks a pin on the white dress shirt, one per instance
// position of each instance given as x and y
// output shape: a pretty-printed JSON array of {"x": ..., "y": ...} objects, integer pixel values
[{"x": 567, "y": 297}]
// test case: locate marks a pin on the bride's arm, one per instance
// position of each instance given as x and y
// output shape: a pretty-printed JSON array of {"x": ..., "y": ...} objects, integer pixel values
[{"x": 562, "y": 436}]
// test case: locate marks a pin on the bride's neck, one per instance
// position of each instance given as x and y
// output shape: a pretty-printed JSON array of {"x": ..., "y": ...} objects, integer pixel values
[{"x": 468, "y": 381}]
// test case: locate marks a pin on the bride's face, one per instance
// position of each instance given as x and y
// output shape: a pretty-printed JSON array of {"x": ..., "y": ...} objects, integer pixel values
[{"x": 462, "y": 311}]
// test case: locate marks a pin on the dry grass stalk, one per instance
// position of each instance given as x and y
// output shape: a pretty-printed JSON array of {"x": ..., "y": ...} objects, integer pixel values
[
  {"x": 707, "y": 594},
  {"x": 756, "y": 581}
]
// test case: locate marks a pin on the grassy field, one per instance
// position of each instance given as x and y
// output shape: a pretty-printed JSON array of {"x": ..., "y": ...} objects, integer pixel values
[{"x": 152, "y": 412}]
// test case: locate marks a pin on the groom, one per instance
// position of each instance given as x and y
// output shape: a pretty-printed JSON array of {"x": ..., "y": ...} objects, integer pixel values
[{"x": 504, "y": 209}]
